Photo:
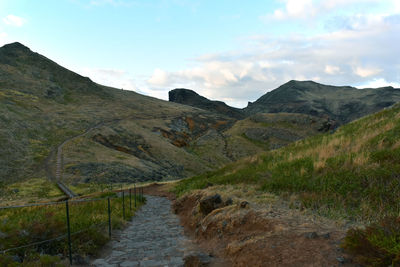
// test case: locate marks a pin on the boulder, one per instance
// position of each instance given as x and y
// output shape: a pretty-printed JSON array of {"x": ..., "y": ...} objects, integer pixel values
[
  {"x": 210, "y": 203},
  {"x": 244, "y": 204},
  {"x": 228, "y": 202},
  {"x": 197, "y": 260}
]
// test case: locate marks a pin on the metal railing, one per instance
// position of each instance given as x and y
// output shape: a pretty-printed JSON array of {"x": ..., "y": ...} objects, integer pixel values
[{"x": 135, "y": 193}]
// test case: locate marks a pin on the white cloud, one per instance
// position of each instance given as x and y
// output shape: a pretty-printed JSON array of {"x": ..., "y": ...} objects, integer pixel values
[
  {"x": 331, "y": 4},
  {"x": 376, "y": 83},
  {"x": 308, "y": 9},
  {"x": 159, "y": 78},
  {"x": 294, "y": 9},
  {"x": 366, "y": 72},
  {"x": 329, "y": 69},
  {"x": 396, "y": 5},
  {"x": 14, "y": 20},
  {"x": 348, "y": 56}
]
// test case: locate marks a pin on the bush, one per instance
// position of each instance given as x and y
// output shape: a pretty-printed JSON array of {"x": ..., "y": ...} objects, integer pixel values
[{"x": 377, "y": 244}]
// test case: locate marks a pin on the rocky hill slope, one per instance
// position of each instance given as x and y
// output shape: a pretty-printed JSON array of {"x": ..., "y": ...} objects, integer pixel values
[
  {"x": 191, "y": 98},
  {"x": 128, "y": 136},
  {"x": 135, "y": 138},
  {"x": 340, "y": 103},
  {"x": 350, "y": 177}
]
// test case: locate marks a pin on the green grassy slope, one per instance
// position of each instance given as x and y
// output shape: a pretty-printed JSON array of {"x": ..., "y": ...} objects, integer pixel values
[{"x": 353, "y": 173}]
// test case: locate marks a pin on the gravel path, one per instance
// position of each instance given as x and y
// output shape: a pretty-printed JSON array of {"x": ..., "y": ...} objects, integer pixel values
[{"x": 154, "y": 238}]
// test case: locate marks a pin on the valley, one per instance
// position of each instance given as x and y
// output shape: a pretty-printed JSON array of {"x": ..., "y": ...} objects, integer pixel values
[{"x": 303, "y": 158}]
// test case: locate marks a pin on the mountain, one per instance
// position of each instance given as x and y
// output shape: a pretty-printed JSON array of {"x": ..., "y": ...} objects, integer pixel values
[
  {"x": 111, "y": 135},
  {"x": 114, "y": 135},
  {"x": 340, "y": 103},
  {"x": 191, "y": 98}
]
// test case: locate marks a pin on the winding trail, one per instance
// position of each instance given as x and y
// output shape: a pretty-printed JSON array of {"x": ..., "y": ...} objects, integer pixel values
[
  {"x": 154, "y": 238},
  {"x": 59, "y": 163}
]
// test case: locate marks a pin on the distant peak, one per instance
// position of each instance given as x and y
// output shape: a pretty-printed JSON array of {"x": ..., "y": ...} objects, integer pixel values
[
  {"x": 184, "y": 90},
  {"x": 300, "y": 82},
  {"x": 15, "y": 46},
  {"x": 181, "y": 94}
]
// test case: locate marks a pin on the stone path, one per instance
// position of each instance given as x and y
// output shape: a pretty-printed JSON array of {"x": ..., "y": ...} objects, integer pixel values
[{"x": 154, "y": 238}]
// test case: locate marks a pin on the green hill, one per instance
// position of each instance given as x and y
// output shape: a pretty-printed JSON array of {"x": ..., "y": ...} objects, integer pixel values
[{"x": 352, "y": 174}]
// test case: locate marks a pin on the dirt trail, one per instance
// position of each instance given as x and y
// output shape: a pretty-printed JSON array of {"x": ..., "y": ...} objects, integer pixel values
[
  {"x": 59, "y": 160},
  {"x": 154, "y": 238}
]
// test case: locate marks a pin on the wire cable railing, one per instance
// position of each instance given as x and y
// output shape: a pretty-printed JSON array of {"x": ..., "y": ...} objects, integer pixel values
[{"x": 134, "y": 195}]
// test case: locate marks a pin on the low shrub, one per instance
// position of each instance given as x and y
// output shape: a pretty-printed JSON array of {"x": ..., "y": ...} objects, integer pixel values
[{"x": 377, "y": 244}]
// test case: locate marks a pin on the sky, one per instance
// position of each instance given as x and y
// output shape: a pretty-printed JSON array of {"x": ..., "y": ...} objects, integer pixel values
[{"x": 228, "y": 50}]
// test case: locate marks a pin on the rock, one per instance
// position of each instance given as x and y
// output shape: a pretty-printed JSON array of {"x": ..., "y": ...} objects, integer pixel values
[
  {"x": 197, "y": 260},
  {"x": 3, "y": 235},
  {"x": 79, "y": 260},
  {"x": 311, "y": 235},
  {"x": 210, "y": 203},
  {"x": 23, "y": 233},
  {"x": 16, "y": 258},
  {"x": 228, "y": 202},
  {"x": 326, "y": 236},
  {"x": 244, "y": 204},
  {"x": 341, "y": 260}
]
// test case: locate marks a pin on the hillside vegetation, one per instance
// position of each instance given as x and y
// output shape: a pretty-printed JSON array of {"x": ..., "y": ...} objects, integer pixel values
[
  {"x": 32, "y": 226},
  {"x": 132, "y": 137},
  {"x": 352, "y": 173},
  {"x": 127, "y": 137}
]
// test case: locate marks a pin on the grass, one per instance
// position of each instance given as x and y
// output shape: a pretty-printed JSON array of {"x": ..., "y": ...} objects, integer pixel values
[
  {"x": 22, "y": 226},
  {"x": 28, "y": 191},
  {"x": 352, "y": 174}
]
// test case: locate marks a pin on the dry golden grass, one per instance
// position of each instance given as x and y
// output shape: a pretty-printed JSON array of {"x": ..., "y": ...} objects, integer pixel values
[
  {"x": 240, "y": 192},
  {"x": 318, "y": 165},
  {"x": 361, "y": 159}
]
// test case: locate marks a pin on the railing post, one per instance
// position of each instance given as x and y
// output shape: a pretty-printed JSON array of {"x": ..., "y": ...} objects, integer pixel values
[
  {"x": 123, "y": 204},
  {"x": 134, "y": 190},
  {"x": 109, "y": 217},
  {"x": 130, "y": 199},
  {"x": 69, "y": 232}
]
